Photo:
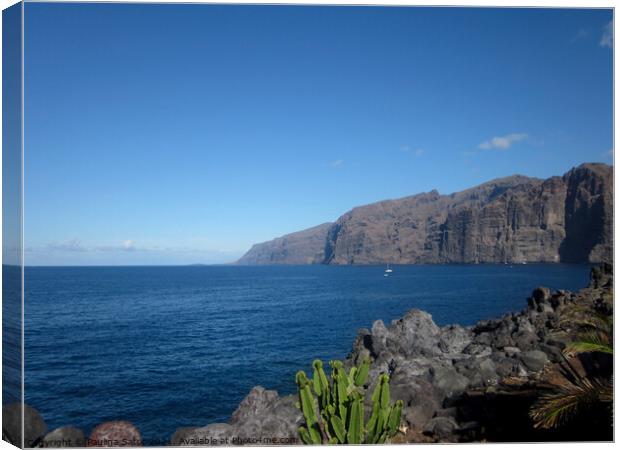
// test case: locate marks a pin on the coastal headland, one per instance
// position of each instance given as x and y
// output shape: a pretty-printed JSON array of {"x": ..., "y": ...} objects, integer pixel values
[{"x": 514, "y": 219}]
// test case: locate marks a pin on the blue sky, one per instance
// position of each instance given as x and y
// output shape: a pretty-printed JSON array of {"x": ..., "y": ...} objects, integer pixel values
[{"x": 174, "y": 134}]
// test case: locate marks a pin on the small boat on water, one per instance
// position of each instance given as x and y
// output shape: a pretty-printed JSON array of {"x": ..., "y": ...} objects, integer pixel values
[{"x": 387, "y": 271}]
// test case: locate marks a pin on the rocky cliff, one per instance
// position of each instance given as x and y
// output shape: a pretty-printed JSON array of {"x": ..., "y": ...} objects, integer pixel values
[
  {"x": 513, "y": 219},
  {"x": 302, "y": 247}
]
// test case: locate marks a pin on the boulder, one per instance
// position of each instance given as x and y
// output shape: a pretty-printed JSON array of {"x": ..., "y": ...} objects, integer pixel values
[
  {"x": 414, "y": 335},
  {"x": 541, "y": 294},
  {"x": 257, "y": 401},
  {"x": 448, "y": 382},
  {"x": 64, "y": 437},
  {"x": 181, "y": 435},
  {"x": 118, "y": 433},
  {"x": 478, "y": 350},
  {"x": 488, "y": 371},
  {"x": 534, "y": 360},
  {"x": 34, "y": 425},
  {"x": 211, "y": 435},
  {"x": 378, "y": 338},
  {"x": 442, "y": 428},
  {"x": 454, "y": 339},
  {"x": 418, "y": 396},
  {"x": 511, "y": 351}
]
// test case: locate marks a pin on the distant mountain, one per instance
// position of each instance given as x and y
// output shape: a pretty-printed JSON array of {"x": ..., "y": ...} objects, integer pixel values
[
  {"x": 514, "y": 219},
  {"x": 302, "y": 247}
]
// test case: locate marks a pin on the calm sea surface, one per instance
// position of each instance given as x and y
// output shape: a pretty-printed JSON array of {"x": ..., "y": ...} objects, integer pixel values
[{"x": 165, "y": 347}]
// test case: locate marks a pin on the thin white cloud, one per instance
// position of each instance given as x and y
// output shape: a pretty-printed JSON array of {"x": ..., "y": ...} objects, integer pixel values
[
  {"x": 76, "y": 246},
  {"x": 581, "y": 34},
  {"x": 337, "y": 163},
  {"x": 73, "y": 245},
  {"x": 125, "y": 246},
  {"x": 502, "y": 142},
  {"x": 408, "y": 149},
  {"x": 607, "y": 39},
  {"x": 469, "y": 152}
]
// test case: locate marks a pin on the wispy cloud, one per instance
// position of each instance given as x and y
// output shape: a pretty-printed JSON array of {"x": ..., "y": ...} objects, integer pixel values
[
  {"x": 502, "y": 142},
  {"x": 72, "y": 245},
  {"x": 76, "y": 246},
  {"x": 469, "y": 152},
  {"x": 607, "y": 39},
  {"x": 581, "y": 34},
  {"x": 336, "y": 163},
  {"x": 408, "y": 149}
]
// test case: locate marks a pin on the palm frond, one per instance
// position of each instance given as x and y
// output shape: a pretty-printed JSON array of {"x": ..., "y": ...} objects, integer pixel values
[
  {"x": 591, "y": 342},
  {"x": 556, "y": 409},
  {"x": 582, "y": 316}
]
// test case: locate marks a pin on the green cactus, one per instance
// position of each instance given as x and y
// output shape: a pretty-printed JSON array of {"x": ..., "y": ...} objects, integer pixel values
[{"x": 334, "y": 408}]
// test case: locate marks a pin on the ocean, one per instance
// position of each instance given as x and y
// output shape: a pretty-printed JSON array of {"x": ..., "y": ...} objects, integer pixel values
[{"x": 166, "y": 347}]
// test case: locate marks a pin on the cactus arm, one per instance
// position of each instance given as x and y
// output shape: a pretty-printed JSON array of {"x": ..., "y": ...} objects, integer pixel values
[
  {"x": 338, "y": 427},
  {"x": 394, "y": 419},
  {"x": 385, "y": 391},
  {"x": 306, "y": 400},
  {"x": 305, "y": 436},
  {"x": 374, "y": 425},
  {"x": 361, "y": 374},
  {"x": 352, "y": 373},
  {"x": 376, "y": 393},
  {"x": 355, "y": 425},
  {"x": 321, "y": 385},
  {"x": 382, "y": 438},
  {"x": 343, "y": 410},
  {"x": 334, "y": 411}
]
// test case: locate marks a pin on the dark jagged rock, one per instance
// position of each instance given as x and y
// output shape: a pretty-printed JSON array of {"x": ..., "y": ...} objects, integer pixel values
[
  {"x": 262, "y": 418},
  {"x": 441, "y": 427},
  {"x": 446, "y": 363},
  {"x": 512, "y": 219},
  {"x": 431, "y": 370},
  {"x": 181, "y": 435},
  {"x": 457, "y": 384},
  {"x": 34, "y": 425}
]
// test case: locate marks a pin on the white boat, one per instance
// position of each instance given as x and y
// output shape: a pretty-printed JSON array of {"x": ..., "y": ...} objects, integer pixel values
[{"x": 388, "y": 270}]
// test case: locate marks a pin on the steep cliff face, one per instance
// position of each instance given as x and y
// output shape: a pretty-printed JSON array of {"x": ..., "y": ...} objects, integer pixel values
[
  {"x": 514, "y": 219},
  {"x": 302, "y": 247},
  {"x": 524, "y": 223},
  {"x": 431, "y": 228},
  {"x": 588, "y": 214}
]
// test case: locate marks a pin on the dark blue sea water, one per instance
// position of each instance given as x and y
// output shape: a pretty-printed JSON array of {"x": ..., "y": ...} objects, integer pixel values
[{"x": 165, "y": 347}]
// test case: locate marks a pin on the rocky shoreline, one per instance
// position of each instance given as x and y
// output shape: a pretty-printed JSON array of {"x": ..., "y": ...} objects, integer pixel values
[{"x": 458, "y": 384}]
